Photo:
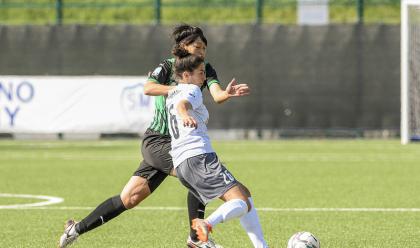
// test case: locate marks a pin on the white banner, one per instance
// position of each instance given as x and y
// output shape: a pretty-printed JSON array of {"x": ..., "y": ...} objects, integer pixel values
[
  {"x": 74, "y": 104},
  {"x": 313, "y": 12}
]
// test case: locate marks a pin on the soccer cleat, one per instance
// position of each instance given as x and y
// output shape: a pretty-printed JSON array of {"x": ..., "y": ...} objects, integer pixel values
[
  {"x": 200, "y": 244},
  {"x": 70, "y": 235},
  {"x": 202, "y": 228}
]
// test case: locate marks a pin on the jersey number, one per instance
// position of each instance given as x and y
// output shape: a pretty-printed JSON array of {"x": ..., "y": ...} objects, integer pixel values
[
  {"x": 173, "y": 123},
  {"x": 227, "y": 176}
]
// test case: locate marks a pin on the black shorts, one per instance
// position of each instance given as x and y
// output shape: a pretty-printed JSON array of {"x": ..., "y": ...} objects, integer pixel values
[{"x": 157, "y": 163}]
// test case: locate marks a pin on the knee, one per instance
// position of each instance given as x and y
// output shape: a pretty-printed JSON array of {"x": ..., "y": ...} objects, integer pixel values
[
  {"x": 132, "y": 197},
  {"x": 245, "y": 190},
  {"x": 246, "y": 206},
  {"x": 249, "y": 205},
  {"x": 130, "y": 200},
  {"x": 247, "y": 194}
]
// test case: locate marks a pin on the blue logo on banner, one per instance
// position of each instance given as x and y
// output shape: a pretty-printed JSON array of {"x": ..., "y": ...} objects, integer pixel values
[
  {"x": 136, "y": 106},
  {"x": 12, "y": 96},
  {"x": 133, "y": 98}
]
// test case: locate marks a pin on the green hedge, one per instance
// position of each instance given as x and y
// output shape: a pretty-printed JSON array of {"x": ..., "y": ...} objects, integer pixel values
[{"x": 192, "y": 11}]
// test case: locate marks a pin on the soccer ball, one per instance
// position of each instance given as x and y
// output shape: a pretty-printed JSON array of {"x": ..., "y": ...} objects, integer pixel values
[{"x": 303, "y": 240}]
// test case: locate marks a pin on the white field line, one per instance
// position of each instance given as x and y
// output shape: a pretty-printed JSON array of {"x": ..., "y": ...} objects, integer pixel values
[
  {"x": 379, "y": 210},
  {"x": 61, "y": 144},
  {"x": 339, "y": 209},
  {"x": 67, "y": 156},
  {"x": 48, "y": 201}
]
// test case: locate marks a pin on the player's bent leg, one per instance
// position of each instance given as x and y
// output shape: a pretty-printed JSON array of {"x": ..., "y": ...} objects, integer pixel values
[
  {"x": 237, "y": 192},
  {"x": 236, "y": 205},
  {"x": 135, "y": 191},
  {"x": 244, "y": 189},
  {"x": 104, "y": 212},
  {"x": 143, "y": 182},
  {"x": 250, "y": 221},
  {"x": 196, "y": 210},
  {"x": 251, "y": 224},
  {"x": 231, "y": 209}
]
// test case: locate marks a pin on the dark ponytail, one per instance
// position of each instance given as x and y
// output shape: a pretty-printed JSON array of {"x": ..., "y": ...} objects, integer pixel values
[
  {"x": 185, "y": 61},
  {"x": 180, "y": 52}
]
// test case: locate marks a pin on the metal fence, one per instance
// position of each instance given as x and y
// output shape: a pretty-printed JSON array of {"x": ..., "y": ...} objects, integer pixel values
[
  {"x": 343, "y": 76},
  {"x": 193, "y": 11}
]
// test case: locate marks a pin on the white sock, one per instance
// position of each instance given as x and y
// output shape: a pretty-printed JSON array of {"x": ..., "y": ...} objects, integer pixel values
[
  {"x": 229, "y": 210},
  {"x": 251, "y": 223}
]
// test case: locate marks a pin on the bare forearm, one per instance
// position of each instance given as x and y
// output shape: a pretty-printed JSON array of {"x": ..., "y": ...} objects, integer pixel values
[
  {"x": 232, "y": 90},
  {"x": 154, "y": 89},
  {"x": 182, "y": 108},
  {"x": 187, "y": 120},
  {"x": 220, "y": 96}
]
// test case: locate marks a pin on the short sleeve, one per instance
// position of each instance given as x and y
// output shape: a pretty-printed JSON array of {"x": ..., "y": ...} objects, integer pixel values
[
  {"x": 211, "y": 76},
  {"x": 162, "y": 73},
  {"x": 193, "y": 95}
]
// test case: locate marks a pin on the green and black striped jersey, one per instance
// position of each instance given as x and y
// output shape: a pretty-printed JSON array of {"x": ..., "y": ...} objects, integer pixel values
[{"x": 164, "y": 74}]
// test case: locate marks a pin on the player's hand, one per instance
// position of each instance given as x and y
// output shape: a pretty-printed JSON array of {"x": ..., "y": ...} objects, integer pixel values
[
  {"x": 235, "y": 89},
  {"x": 188, "y": 121}
]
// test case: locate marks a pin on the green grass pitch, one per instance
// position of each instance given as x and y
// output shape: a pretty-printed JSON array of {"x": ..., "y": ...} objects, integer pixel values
[{"x": 286, "y": 178}]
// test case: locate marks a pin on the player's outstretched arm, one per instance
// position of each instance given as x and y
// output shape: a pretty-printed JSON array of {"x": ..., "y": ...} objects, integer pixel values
[
  {"x": 154, "y": 89},
  {"x": 232, "y": 90},
  {"x": 182, "y": 108}
]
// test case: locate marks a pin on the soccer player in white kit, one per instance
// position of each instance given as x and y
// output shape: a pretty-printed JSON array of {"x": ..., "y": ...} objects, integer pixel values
[{"x": 197, "y": 165}]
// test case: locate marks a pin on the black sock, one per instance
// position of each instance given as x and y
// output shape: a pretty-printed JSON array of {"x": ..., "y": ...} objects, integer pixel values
[
  {"x": 105, "y": 212},
  {"x": 195, "y": 210}
]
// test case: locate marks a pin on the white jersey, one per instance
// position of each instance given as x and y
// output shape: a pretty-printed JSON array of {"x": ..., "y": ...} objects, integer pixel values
[{"x": 187, "y": 142}]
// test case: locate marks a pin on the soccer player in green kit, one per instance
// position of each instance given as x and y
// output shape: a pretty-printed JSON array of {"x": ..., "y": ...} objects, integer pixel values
[{"x": 157, "y": 163}]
